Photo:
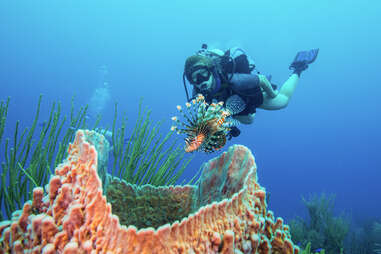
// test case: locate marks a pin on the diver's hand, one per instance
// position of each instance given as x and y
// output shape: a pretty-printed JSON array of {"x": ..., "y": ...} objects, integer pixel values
[
  {"x": 265, "y": 84},
  {"x": 234, "y": 132}
]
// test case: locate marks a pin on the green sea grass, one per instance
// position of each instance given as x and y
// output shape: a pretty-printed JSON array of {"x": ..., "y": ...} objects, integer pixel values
[
  {"x": 322, "y": 229},
  {"x": 3, "y": 116},
  {"x": 30, "y": 156},
  {"x": 147, "y": 157},
  {"x": 307, "y": 250}
]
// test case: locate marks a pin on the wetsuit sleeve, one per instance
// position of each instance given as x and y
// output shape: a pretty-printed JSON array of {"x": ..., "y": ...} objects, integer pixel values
[{"x": 245, "y": 84}]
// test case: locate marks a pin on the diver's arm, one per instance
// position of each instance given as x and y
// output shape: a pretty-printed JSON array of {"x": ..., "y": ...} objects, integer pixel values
[
  {"x": 248, "y": 84},
  {"x": 265, "y": 84}
]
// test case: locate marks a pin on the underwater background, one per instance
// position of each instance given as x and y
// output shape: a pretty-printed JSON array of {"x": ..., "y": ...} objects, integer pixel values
[{"x": 326, "y": 140}]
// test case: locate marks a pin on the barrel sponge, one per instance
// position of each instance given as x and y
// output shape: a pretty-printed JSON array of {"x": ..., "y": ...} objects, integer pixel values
[{"x": 226, "y": 212}]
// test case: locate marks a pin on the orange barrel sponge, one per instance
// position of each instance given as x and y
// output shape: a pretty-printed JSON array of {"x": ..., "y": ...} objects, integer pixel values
[{"x": 225, "y": 213}]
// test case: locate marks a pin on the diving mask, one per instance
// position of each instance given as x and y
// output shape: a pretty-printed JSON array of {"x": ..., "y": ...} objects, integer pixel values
[{"x": 200, "y": 75}]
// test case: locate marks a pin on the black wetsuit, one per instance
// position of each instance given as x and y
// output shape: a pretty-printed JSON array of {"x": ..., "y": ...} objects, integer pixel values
[{"x": 244, "y": 85}]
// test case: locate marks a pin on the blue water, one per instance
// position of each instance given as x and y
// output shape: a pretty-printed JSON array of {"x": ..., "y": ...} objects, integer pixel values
[{"x": 326, "y": 140}]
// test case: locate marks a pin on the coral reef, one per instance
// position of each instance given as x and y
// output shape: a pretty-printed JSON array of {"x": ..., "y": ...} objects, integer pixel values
[
  {"x": 230, "y": 215},
  {"x": 147, "y": 205},
  {"x": 376, "y": 235},
  {"x": 323, "y": 230},
  {"x": 361, "y": 239}
]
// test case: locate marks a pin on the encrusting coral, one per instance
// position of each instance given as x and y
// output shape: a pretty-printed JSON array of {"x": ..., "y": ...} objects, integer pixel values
[{"x": 226, "y": 213}]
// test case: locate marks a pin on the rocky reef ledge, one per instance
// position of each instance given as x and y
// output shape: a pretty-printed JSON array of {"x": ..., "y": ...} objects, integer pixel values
[{"x": 226, "y": 212}]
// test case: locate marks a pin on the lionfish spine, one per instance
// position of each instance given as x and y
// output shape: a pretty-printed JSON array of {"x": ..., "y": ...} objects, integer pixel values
[
  {"x": 189, "y": 120},
  {"x": 205, "y": 125}
]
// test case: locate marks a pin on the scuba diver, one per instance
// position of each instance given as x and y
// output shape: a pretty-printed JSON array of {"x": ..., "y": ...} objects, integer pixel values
[{"x": 219, "y": 75}]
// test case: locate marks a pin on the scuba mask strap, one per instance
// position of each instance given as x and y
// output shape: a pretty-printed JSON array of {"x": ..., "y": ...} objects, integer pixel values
[{"x": 218, "y": 80}]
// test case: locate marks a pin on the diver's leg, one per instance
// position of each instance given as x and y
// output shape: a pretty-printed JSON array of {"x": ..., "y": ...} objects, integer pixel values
[
  {"x": 289, "y": 86},
  {"x": 300, "y": 63},
  {"x": 283, "y": 97}
]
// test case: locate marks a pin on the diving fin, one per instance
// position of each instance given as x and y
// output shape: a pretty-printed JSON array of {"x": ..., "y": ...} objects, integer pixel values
[{"x": 302, "y": 60}]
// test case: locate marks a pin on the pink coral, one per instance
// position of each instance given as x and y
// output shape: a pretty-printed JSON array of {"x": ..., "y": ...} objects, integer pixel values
[{"x": 74, "y": 217}]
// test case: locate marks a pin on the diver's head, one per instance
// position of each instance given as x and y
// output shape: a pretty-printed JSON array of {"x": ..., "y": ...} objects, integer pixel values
[{"x": 199, "y": 70}]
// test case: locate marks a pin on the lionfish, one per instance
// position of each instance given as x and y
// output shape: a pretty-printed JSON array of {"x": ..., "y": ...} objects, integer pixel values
[{"x": 206, "y": 125}]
